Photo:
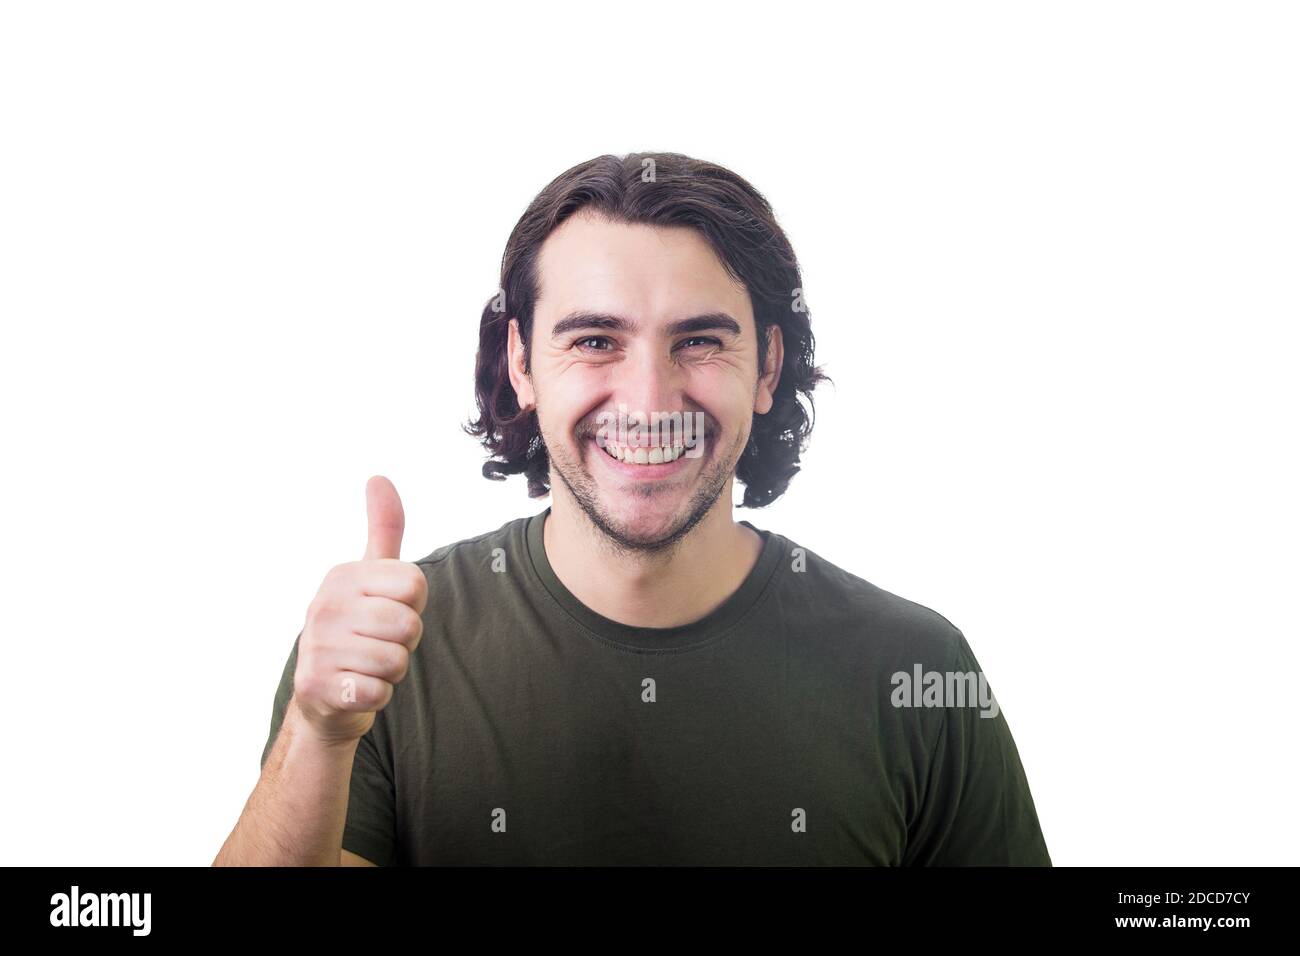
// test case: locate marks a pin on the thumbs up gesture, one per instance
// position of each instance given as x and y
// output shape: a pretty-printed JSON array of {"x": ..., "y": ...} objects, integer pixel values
[{"x": 361, "y": 628}]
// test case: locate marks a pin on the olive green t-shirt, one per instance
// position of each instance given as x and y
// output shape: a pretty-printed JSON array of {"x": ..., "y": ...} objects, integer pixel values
[{"x": 530, "y": 730}]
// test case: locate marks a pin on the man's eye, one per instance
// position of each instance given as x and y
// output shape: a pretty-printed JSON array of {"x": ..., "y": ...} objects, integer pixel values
[
  {"x": 701, "y": 338},
  {"x": 592, "y": 338}
]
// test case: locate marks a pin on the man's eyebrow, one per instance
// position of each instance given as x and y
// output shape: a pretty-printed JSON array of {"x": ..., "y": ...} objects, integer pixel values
[{"x": 582, "y": 320}]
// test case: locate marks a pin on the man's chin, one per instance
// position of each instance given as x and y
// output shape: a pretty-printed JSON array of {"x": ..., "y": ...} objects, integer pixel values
[
  {"x": 644, "y": 520},
  {"x": 647, "y": 515}
]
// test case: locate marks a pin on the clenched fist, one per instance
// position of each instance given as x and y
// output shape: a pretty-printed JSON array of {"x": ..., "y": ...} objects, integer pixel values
[{"x": 361, "y": 628}]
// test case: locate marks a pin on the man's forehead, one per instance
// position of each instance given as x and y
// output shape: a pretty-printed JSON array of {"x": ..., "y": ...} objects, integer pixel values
[{"x": 658, "y": 274}]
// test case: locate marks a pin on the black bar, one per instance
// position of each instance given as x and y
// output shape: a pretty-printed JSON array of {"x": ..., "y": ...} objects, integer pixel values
[{"x": 249, "y": 905}]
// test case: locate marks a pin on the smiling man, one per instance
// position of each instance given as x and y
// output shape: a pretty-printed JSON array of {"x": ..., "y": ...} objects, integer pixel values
[{"x": 632, "y": 676}]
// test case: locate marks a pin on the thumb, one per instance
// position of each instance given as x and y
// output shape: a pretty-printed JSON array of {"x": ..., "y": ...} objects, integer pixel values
[{"x": 386, "y": 519}]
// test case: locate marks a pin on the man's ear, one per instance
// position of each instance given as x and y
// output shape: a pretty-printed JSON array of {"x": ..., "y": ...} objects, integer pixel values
[
  {"x": 519, "y": 379},
  {"x": 768, "y": 378}
]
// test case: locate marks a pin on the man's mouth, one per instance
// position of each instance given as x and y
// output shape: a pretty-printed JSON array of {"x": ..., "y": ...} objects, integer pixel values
[{"x": 648, "y": 461}]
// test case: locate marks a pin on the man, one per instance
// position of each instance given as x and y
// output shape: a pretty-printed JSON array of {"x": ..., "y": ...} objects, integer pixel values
[{"x": 632, "y": 676}]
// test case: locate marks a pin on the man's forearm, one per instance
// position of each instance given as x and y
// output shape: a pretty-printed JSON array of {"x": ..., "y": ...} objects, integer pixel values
[{"x": 296, "y": 813}]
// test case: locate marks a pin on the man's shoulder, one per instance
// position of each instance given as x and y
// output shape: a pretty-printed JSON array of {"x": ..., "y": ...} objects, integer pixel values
[
  {"x": 470, "y": 576},
  {"x": 507, "y": 536},
  {"x": 838, "y": 601}
]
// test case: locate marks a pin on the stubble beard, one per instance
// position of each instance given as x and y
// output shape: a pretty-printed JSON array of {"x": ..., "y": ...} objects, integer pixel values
[{"x": 585, "y": 491}]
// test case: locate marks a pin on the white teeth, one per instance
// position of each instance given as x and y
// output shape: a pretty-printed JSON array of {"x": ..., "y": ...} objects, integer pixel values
[{"x": 645, "y": 456}]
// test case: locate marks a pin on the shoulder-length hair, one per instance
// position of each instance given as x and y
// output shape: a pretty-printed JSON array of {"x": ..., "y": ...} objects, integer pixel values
[{"x": 657, "y": 189}]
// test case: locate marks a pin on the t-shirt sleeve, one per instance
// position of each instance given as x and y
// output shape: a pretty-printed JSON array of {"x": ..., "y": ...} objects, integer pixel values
[
  {"x": 976, "y": 808},
  {"x": 370, "y": 827}
]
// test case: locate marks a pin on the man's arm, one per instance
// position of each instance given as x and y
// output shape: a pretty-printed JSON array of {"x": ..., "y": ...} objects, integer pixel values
[
  {"x": 977, "y": 809},
  {"x": 297, "y": 812},
  {"x": 320, "y": 761}
]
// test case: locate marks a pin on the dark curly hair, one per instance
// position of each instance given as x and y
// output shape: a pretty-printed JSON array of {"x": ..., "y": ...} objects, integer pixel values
[{"x": 657, "y": 189}]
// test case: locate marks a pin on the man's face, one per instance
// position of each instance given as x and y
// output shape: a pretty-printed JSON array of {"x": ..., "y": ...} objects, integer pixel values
[{"x": 651, "y": 279}]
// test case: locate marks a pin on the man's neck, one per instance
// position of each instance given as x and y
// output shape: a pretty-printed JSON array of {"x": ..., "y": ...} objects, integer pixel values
[{"x": 650, "y": 590}]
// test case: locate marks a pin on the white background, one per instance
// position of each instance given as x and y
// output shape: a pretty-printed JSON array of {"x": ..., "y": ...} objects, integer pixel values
[{"x": 1050, "y": 252}]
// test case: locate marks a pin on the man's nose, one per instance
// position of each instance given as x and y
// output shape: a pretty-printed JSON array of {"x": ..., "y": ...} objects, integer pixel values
[{"x": 648, "y": 381}]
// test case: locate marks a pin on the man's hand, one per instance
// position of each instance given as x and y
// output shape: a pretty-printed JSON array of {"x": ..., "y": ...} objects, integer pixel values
[{"x": 361, "y": 628}]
